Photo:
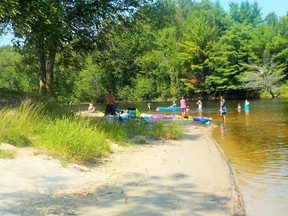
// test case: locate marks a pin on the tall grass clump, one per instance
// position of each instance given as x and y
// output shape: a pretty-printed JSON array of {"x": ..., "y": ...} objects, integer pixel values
[
  {"x": 162, "y": 130},
  {"x": 113, "y": 131},
  {"x": 134, "y": 128},
  {"x": 17, "y": 125},
  {"x": 73, "y": 139}
]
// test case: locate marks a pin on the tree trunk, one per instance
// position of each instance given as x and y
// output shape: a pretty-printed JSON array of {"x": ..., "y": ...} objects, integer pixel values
[
  {"x": 272, "y": 93},
  {"x": 42, "y": 73},
  {"x": 50, "y": 74}
]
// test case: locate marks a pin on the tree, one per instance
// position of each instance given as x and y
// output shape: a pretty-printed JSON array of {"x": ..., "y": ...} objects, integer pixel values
[
  {"x": 13, "y": 74},
  {"x": 202, "y": 28},
  {"x": 49, "y": 26},
  {"x": 226, "y": 59},
  {"x": 266, "y": 77},
  {"x": 245, "y": 13},
  {"x": 88, "y": 85}
]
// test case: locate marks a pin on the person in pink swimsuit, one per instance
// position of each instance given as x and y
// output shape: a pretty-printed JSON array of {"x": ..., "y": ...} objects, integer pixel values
[{"x": 183, "y": 106}]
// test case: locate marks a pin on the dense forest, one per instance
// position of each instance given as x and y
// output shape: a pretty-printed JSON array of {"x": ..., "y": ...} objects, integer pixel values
[{"x": 142, "y": 50}]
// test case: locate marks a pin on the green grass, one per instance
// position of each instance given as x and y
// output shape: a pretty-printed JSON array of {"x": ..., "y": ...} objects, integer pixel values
[
  {"x": 134, "y": 128},
  {"x": 162, "y": 130},
  {"x": 17, "y": 124},
  {"x": 73, "y": 138},
  {"x": 7, "y": 154}
]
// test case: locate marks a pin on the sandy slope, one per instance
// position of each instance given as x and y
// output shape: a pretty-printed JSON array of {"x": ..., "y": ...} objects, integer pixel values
[{"x": 187, "y": 177}]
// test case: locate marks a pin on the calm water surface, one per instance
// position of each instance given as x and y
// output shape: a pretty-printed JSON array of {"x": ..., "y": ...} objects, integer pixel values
[{"x": 256, "y": 145}]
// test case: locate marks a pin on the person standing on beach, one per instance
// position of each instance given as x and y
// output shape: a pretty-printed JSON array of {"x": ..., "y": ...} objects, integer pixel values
[
  {"x": 183, "y": 106},
  {"x": 223, "y": 108},
  {"x": 110, "y": 103}
]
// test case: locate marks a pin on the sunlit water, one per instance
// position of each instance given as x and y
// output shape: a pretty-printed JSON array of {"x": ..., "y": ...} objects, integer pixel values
[{"x": 256, "y": 146}]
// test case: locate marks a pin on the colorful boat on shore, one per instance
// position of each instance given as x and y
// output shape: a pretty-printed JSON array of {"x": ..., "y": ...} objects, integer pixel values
[{"x": 170, "y": 108}]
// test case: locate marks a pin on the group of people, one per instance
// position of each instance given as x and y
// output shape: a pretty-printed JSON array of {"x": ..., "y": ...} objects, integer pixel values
[
  {"x": 246, "y": 106},
  {"x": 223, "y": 107},
  {"x": 110, "y": 103},
  {"x": 185, "y": 108}
]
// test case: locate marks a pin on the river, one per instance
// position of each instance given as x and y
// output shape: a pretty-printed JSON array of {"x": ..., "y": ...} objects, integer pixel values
[
  {"x": 255, "y": 142},
  {"x": 256, "y": 146}
]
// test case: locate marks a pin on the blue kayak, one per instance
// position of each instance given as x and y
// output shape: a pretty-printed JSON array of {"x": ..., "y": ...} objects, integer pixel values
[{"x": 176, "y": 108}]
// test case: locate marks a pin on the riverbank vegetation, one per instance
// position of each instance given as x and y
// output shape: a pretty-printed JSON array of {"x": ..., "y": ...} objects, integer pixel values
[
  {"x": 71, "y": 137},
  {"x": 143, "y": 50}
]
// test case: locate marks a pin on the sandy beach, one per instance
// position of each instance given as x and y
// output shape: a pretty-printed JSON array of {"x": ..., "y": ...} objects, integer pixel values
[{"x": 186, "y": 177}]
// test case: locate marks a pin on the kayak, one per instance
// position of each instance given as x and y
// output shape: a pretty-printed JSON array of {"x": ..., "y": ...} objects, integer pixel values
[{"x": 175, "y": 108}]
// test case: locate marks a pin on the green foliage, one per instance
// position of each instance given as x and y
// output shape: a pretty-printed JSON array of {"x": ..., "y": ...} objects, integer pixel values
[
  {"x": 73, "y": 139},
  {"x": 227, "y": 56},
  {"x": 18, "y": 124},
  {"x": 12, "y": 76},
  {"x": 113, "y": 131},
  {"x": 126, "y": 93},
  {"x": 88, "y": 85},
  {"x": 52, "y": 26},
  {"x": 7, "y": 154},
  {"x": 284, "y": 89},
  {"x": 144, "y": 89},
  {"x": 160, "y": 130},
  {"x": 245, "y": 12},
  {"x": 266, "y": 77},
  {"x": 134, "y": 128},
  {"x": 143, "y": 50}
]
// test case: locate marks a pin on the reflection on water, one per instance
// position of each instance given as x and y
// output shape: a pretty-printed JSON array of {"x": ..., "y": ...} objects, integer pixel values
[{"x": 256, "y": 145}]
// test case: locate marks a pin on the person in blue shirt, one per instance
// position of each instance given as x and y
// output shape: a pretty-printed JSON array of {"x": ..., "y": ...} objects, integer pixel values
[
  {"x": 246, "y": 105},
  {"x": 223, "y": 108}
]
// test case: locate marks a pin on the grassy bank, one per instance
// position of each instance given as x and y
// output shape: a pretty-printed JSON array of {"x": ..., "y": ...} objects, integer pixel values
[{"x": 70, "y": 137}]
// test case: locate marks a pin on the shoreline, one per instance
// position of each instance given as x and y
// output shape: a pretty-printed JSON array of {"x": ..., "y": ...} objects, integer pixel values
[
  {"x": 186, "y": 177},
  {"x": 233, "y": 176}
]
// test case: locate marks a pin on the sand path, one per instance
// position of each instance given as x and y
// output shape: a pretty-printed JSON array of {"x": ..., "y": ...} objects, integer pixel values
[{"x": 186, "y": 177}]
